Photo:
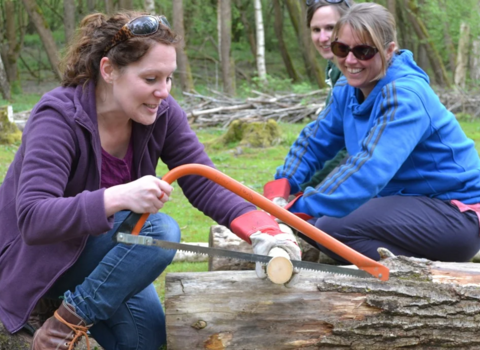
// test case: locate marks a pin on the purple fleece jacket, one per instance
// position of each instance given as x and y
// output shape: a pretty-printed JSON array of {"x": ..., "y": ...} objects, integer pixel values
[{"x": 51, "y": 200}]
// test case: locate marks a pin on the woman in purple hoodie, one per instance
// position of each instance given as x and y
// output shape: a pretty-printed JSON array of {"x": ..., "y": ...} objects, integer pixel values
[{"x": 87, "y": 159}]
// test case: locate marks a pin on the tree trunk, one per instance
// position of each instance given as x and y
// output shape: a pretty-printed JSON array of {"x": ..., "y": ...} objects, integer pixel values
[
  {"x": 312, "y": 68},
  {"x": 391, "y": 6},
  {"x": 475, "y": 61},
  {"x": 11, "y": 36},
  {"x": 4, "y": 85},
  {"x": 150, "y": 6},
  {"x": 91, "y": 6},
  {"x": 109, "y": 7},
  {"x": 69, "y": 19},
  {"x": 462, "y": 55},
  {"x": 260, "y": 58},
  {"x": 440, "y": 73},
  {"x": 424, "y": 305},
  {"x": 246, "y": 25},
  {"x": 184, "y": 70},
  {"x": 225, "y": 44},
  {"x": 278, "y": 27},
  {"x": 422, "y": 57},
  {"x": 45, "y": 35},
  {"x": 446, "y": 35},
  {"x": 125, "y": 4}
]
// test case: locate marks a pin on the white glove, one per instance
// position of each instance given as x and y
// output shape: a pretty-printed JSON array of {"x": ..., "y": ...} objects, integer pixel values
[
  {"x": 262, "y": 243},
  {"x": 280, "y": 201}
]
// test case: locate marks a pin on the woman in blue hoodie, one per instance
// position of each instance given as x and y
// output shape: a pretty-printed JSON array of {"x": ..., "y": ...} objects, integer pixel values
[{"x": 411, "y": 183}]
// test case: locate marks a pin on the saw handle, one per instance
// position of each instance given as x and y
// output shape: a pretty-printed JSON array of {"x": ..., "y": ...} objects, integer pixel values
[{"x": 361, "y": 261}]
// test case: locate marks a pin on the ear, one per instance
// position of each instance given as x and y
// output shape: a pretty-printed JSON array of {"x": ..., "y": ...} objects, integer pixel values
[
  {"x": 390, "y": 50},
  {"x": 107, "y": 70}
]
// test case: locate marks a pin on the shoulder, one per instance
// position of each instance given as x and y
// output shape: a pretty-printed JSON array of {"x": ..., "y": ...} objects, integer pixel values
[{"x": 60, "y": 100}]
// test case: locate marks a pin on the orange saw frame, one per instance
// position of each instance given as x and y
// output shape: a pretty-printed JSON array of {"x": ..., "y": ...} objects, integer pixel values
[{"x": 361, "y": 261}]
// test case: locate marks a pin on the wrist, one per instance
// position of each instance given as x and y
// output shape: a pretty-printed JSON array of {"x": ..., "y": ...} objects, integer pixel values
[{"x": 113, "y": 200}]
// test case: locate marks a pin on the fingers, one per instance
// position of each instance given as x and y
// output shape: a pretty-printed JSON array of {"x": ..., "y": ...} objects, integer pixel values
[{"x": 260, "y": 270}]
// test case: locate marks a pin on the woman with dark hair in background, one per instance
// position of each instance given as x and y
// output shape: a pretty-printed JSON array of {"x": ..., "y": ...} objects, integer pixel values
[{"x": 322, "y": 15}]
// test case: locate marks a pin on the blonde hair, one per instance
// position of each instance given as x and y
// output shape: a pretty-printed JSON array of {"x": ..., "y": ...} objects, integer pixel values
[{"x": 373, "y": 24}]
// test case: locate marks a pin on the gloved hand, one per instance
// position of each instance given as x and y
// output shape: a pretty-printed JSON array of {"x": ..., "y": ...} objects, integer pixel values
[
  {"x": 277, "y": 191},
  {"x": 263, "y": 243},
  {"x": 264, "y": 233}
]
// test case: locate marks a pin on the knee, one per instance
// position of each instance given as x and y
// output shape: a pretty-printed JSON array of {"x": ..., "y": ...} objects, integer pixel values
[
  {"x": 332, "y": 226},
  {"x": 165, "y": 228}
]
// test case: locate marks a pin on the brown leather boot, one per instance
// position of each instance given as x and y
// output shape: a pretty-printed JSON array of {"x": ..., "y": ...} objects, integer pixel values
[
  {"x": 62, "y": 331},
  {"x": 43, "y": 310}
]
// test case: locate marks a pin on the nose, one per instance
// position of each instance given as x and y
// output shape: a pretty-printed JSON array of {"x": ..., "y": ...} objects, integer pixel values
[
  {"x": 324, "y": 36},
  {"x": 350, "y": 58},
  {"x": 162, "y": 91}
]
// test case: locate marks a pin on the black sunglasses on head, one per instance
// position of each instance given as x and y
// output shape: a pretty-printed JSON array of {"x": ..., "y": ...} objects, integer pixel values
[
  {"x": 140, "y": 26},
  {"x": 335, "y": 2},
  {"x": 361, "y": 52}
]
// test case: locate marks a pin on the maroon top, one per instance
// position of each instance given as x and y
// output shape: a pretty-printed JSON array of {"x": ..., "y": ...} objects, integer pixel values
[{"x": 117, "y": 171}]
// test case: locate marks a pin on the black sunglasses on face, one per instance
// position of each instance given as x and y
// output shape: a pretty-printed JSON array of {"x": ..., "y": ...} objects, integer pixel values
[
  {"x": 334, "y": 2},
  {"x": 140, "y": 26},
  {"x": 361, "y": 52}
]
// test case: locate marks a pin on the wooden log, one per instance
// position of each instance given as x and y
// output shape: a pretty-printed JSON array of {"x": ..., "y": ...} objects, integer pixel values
[
  {"x": 424, "y": 305},
  {"x": 222, "y": 237}
]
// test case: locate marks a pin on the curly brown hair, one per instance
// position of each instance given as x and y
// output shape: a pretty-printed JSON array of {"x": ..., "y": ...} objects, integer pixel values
[{"x": 82, "y": 60}]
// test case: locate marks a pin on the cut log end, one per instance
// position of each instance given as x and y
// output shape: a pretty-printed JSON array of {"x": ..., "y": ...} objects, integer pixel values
[{"x": 279, "y": 268}]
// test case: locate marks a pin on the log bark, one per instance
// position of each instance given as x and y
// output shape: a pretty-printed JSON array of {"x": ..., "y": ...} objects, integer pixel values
[{"x": 424, "y": 305}]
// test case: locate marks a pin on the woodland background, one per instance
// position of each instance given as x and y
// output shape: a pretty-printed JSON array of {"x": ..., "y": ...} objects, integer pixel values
[{"x": 235, "y": 46}]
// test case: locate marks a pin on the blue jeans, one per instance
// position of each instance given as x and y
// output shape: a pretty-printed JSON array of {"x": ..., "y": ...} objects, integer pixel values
[{"x": 111, "y": 287}]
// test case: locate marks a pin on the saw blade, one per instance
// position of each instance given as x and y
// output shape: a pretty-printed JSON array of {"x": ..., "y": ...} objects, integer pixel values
[{"x": 304, "y": 265}]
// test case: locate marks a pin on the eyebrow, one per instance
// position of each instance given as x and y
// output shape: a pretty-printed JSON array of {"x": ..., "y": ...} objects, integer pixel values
[{"x": 156, "y": 71}]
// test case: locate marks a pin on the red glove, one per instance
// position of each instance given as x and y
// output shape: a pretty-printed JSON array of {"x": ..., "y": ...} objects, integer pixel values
[
  {"x": 277, "y": 189},
  {"x": 253, "y": 221},
  {"x": 302, "y": 216}
]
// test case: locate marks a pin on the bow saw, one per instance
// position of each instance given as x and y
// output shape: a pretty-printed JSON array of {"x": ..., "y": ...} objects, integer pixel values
[{"x": 128, "y": 231}]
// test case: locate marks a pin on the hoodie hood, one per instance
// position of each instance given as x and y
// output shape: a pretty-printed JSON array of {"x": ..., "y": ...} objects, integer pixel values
[{"x": 401, "y": 65}]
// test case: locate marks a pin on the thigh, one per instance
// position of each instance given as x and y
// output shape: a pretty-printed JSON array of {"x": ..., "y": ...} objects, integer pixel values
[
  {"x": 138, "y": 324},
  {"x": 97, "y": 248},
  {"x": 412, "y": 226}
]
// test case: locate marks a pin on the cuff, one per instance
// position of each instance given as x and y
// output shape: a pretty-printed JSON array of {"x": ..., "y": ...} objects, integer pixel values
[
  {"x": 277, "y": 188},
  {"x": 247, "y": 224}
]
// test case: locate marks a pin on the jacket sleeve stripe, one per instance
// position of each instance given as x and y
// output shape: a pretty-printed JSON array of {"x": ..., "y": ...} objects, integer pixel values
[{"x": 354, "y": 163}]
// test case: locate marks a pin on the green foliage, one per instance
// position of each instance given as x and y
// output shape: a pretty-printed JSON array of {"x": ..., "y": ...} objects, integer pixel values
[
  {"x": 21, "y": 101},
  {"x": 274, "y": 85}
]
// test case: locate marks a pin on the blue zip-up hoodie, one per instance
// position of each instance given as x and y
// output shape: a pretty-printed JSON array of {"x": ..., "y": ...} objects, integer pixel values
[{"x": 401, "y": 141}]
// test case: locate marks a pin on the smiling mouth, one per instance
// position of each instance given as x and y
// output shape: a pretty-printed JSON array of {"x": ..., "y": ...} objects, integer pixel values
[
  {"x": 354, "y": 70},
  {"x": 151, "y": 106}
]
